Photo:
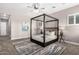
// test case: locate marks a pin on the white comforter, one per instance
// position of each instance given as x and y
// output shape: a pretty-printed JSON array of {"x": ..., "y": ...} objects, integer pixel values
[{"x": 47, "y": 37}]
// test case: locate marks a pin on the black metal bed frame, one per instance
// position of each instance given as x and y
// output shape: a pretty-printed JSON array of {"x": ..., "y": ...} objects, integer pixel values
[{"x": 44, "y": 44}]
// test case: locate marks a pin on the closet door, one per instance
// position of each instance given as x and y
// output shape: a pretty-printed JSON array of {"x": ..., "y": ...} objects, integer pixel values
[{"x": 3, "y": 28}]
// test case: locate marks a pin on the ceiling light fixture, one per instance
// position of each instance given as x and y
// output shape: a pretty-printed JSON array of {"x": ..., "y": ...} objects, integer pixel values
[{"x": 36, "y": 7}]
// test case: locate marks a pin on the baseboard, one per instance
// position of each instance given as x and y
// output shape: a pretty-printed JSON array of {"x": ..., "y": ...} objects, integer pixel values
[
  {"x": 21, "y": 39},
  {"x": 75, "y": 43}
]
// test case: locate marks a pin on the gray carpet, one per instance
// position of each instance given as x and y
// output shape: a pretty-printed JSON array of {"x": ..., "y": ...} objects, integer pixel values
[
  {"x": 26, "y": 47},
  {"x": 6, "y": 47}
]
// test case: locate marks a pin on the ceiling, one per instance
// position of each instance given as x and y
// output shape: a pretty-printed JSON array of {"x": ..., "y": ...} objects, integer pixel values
[{"x": 22, "y": 8}]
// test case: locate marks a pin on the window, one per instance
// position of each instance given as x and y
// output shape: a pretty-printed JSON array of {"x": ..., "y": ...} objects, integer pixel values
[
  {"x": 77, "y": 19},
  {"x": 73, "y": 19}
]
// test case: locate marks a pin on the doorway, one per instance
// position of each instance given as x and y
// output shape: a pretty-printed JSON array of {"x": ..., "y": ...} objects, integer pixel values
[{"x": 5, "y": 30}]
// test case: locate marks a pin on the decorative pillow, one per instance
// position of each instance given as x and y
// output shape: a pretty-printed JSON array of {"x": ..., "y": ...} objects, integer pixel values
[
  {"x": 52, "y": 33},
  {"x": 47, "y": 33}
]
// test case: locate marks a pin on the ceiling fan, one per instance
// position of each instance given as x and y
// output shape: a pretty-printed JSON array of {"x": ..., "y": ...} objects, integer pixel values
[{"x": 35, "y": 6}]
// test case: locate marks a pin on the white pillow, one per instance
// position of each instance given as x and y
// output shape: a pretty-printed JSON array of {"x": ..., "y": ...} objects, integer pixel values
[
  {"x": 47, "y": 33},
  {"x": 52, "y": 33}
]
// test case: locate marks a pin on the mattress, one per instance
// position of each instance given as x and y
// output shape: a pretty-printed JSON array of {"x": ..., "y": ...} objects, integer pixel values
[{"x": 47, "y": 38}]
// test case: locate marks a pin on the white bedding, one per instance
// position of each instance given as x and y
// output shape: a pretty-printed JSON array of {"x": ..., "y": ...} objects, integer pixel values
[{"x": 47, "y": 38}]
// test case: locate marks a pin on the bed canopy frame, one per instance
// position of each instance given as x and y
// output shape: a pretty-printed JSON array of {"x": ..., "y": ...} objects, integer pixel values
[{"x": 44, "y": 19}]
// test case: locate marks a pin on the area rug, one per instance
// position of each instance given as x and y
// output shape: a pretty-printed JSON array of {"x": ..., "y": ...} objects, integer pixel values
[{"x": 26, "y": 47}]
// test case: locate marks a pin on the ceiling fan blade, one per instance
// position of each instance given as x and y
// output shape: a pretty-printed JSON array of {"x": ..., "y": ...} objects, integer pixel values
[
  {"x": 29, "y": 6},
  {"x": 43, "y": 8}
]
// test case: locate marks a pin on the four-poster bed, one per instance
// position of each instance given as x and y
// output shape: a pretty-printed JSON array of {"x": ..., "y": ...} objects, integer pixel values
[{"x": 44, "y": 30}]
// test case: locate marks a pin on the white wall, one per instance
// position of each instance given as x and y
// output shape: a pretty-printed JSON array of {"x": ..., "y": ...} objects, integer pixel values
[
  {"x": 18, "y": 16},
  {"x": 16, "y": 29}
]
